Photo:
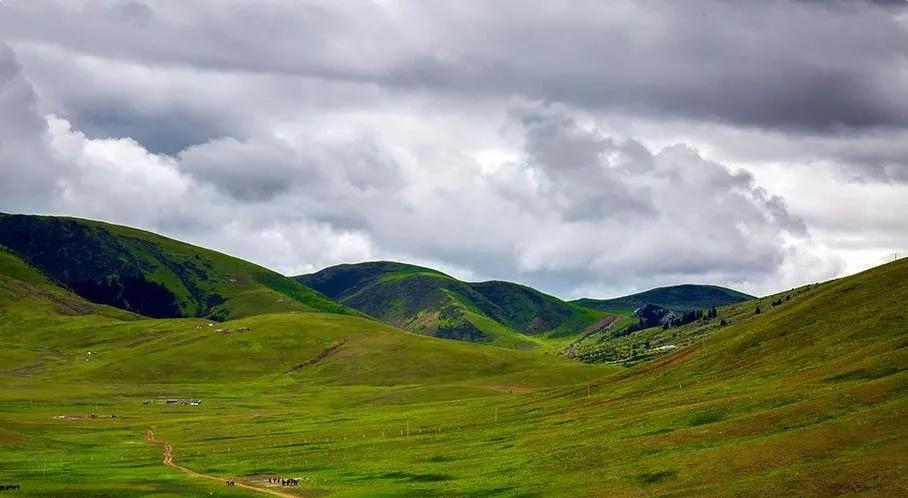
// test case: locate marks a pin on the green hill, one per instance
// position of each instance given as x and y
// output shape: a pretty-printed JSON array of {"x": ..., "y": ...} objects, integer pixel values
[
  {"x": 152, "y": 275},
  {"x": 35, "y": 313},
  {"x": 678, "y": 298},
  {"x": 626, "y": 344},
  {"x": 807, "y": 397},
  {"x": 432, "y": 303}
]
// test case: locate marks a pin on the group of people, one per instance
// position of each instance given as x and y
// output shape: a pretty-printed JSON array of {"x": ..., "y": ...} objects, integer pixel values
[
  {"x": 271, "y": 480},
  {"x": 284, "y": 482},
  {"x": 9, "y": 487}
]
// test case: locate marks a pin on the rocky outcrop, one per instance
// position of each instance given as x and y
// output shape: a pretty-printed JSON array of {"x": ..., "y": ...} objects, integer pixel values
[{"x": 653, "y": 315}]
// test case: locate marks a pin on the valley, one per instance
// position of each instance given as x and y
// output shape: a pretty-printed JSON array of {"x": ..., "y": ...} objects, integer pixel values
[{"x": 808, "y": 396}]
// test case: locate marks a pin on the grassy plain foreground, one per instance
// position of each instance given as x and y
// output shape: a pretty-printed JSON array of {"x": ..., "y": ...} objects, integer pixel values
[{"x": 808, "y": 397}]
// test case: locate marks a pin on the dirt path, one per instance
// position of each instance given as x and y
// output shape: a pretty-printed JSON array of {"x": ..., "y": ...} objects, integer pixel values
[
  {"x": 168, "y": 460},
  {"x": 321, "y": 356}
]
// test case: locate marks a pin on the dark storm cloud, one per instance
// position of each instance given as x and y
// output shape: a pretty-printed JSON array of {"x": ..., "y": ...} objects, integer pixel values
[
  {"x": 808, "y": 66},
  {"x": 875, "y": 159},
  {"x": 250, "y": 171},
  {"x": 161, "y": 132},
  {"x": 28, "y": 171},
  {"x": 773, "y": 64}
]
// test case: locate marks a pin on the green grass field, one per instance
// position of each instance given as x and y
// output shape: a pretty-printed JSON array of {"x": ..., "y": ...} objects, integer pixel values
[{"x": 806, "y": 398}]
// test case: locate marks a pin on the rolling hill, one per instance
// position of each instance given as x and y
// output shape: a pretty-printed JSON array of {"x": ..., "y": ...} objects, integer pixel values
[
  {"x": 33, "y": 309},
  {"x": 678, "y": 298},
  {"x": 152, "y": 275},
  {"x": 628, "y": 345},
  {"x": 806, "y": 397},
  {"x": 429, "y": 302}
]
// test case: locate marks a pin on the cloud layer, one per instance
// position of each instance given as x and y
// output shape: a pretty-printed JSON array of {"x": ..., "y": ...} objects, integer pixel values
[{"x": 586, "y": 148}]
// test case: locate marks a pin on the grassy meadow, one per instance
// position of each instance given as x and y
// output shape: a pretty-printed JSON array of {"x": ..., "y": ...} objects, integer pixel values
[{"x": 806, "y": 398}]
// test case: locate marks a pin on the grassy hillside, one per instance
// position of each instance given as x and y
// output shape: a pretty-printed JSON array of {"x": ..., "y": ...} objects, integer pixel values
[
  {"x": 678, "y": 298},
  {"x": 149, "y": 274},
  {"x": 622, "y": 344},
  {"x": 36, "y": 314},
  {"x": 432, "y": 303},
  {"x": 807, "y": 397}
]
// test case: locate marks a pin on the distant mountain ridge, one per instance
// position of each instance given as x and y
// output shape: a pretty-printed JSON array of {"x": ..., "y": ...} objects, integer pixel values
[
  {"x": 152, "y": 275},
  {"x": 678, "y": 298},
  {"x": 430, "y": 302}
]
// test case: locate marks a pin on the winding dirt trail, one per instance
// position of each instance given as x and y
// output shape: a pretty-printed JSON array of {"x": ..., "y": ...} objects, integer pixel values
[{"x": 167, "y": 450}]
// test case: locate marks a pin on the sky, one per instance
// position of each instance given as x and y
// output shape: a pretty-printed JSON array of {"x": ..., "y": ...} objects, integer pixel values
[{"x": 586, "y": 148}]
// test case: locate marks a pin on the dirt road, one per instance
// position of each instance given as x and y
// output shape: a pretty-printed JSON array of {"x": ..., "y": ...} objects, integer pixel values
[{"x": 151, "y": 437}]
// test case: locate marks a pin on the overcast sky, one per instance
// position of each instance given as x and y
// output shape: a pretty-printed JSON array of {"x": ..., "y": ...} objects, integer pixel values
[{"x": 587, "y": 148}]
